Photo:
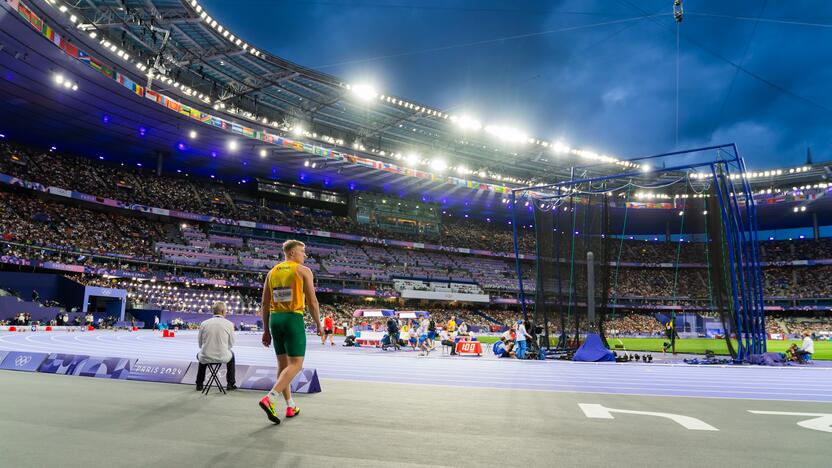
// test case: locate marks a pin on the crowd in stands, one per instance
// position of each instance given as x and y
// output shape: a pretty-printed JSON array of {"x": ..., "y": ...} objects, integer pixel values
[
  {"x": 633, "y": 324},
  {"x": 139, "y": 185},
  {"x": 800, "y": 249},
  {"x": 28, "y": 219},
  {"x": 793, "y": 326},
  {"x": 169, "y": 297},
  {"x": 89, "y": 234},
  {"x": 130, "y": 184},
  {"x": 80, "y": 235}
]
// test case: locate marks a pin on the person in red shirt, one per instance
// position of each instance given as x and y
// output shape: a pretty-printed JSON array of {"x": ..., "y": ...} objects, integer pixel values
[{"x": 329, "y": 330}]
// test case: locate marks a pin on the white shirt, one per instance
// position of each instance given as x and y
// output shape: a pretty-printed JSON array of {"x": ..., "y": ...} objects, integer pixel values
[
  {"x": 808, "y": 345},
  {"x": 350, "y": 332},
  {"x": 521, "y": 332},
  {"x": 216, "y": 338}
]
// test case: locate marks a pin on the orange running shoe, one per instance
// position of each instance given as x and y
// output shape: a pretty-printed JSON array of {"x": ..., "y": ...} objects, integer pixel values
[
  {"x": 268, "y": 407},
  {"x": 291, "y": 412}
]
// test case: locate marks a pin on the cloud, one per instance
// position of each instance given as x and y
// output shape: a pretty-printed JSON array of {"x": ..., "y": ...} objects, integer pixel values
[{"x": 611, "y": 88}]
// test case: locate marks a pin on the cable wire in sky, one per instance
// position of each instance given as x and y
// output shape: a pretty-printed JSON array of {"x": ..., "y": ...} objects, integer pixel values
[
  {"x": 764, "y": 20},
  {"x": 756, "y": 76},
  {"x": 486, "y": 41}
]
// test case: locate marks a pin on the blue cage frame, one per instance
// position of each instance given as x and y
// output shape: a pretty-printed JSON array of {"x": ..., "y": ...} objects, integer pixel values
[{"x": 739, "y": 224}]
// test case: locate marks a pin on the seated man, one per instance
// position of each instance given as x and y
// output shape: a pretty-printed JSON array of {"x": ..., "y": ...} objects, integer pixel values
[
  {"x": 216, "y": 338},
  {"x": 808, "y": 349},
  {"x": 448, "y": 339},
  {"x": 350, "y": 337},
  {"x": 413, "y": 336}
]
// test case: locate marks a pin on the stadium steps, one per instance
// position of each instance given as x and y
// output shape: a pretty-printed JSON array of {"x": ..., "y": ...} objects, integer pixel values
[
  {"x": 230, "y": 202},
  {"x": 487, "y": 317},
  {"x": 173, "y": 234}
]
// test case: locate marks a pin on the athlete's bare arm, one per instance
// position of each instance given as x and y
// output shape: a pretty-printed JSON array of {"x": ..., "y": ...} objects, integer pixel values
[
  {"x": 265, "y": 313},
  {"x": 311, "y": 299}
]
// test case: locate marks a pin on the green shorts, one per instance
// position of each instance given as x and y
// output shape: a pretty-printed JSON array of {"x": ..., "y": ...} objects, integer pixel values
[{"x": 288, "y": 333}]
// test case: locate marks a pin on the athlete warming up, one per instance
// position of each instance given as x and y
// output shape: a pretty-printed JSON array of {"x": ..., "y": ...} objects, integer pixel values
[
  {"x": 329, "y": 330},
  {"x": 287, "y": 288}
]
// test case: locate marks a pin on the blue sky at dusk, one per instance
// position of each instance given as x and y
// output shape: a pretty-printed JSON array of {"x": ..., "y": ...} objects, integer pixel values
[{"x": 597, "y": 74}]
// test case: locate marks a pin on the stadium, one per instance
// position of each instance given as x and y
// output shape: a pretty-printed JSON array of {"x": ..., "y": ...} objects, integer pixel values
[{"x": 466, "y": 293}]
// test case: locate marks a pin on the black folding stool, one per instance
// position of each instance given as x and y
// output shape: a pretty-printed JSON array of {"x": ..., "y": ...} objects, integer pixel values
[{"x": 213, "y": 378}]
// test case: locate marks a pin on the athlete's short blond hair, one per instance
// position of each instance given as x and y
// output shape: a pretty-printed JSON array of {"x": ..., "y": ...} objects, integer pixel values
[{"x": 291, "y": 244}]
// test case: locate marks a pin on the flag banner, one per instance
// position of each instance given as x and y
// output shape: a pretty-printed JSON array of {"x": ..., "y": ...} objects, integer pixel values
[
  {"x": 262, "y": 135},
  {"x": 153, "y": 95},
  {"x": 35, "y": 21},
  {"x": 171, "y": 104},
  {"x": 83, "y": 57},
  {"x": 25, "y": 13}
]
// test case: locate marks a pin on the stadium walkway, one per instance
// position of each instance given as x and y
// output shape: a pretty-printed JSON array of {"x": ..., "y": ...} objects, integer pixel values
[
  {"x": 55, "y": 420},
  {"x": 373, "y": 365}
]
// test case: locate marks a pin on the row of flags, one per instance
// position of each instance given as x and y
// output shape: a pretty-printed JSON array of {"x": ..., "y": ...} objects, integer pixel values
[{"x": 227, "y": 125}]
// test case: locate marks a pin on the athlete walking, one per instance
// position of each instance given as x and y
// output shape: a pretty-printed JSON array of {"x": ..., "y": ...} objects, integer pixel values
[{"x": 288, "y": 287}]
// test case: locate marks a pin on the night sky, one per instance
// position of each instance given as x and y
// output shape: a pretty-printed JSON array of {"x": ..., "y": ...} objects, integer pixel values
[{"x": 596, "y": 74}]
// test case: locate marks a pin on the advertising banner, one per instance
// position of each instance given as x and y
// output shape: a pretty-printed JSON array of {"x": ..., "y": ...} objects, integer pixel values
[
  {"x": 150, "y": 370},
  {"x": 87, "y": 366},
  {"x": 22, "y": 361},
  {"x": 263, "y": 378}
]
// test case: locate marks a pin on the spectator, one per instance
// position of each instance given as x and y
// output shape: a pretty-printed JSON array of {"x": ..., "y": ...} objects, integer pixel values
[{"x": 216, "y": 338}]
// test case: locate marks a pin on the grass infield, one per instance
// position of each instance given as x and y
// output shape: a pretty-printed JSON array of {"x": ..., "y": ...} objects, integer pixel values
[{"x": 823, "y": 349}]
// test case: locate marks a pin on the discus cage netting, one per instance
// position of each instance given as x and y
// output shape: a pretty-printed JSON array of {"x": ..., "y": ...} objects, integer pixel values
[{"x": 679, "y": 240}]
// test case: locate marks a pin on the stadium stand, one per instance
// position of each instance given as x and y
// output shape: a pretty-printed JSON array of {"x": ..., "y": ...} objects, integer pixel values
[{"x": 45, "y": 229}]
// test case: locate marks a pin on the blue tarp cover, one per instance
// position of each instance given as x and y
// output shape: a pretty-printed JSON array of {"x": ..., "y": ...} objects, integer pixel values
[{"x": 593, "y": 350}]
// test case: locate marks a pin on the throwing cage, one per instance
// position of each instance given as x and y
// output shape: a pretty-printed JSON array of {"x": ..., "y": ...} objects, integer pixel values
[{"x": 673, "y": 233}]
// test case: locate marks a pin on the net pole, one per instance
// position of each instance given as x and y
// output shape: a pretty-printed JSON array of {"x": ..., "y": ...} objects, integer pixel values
[
  {"x": 676, "y": 276},
  {"x": 620, "y": 251},
  {"x": 517, "y": 255},
  {"x": 590, "y": 289},
  {"x": 722, "y": 198}
]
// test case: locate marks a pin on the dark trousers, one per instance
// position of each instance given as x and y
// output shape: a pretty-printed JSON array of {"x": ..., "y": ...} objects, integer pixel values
[
  {"x": 229, "y": 373},
  {"x": 451, "y": 344}
]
